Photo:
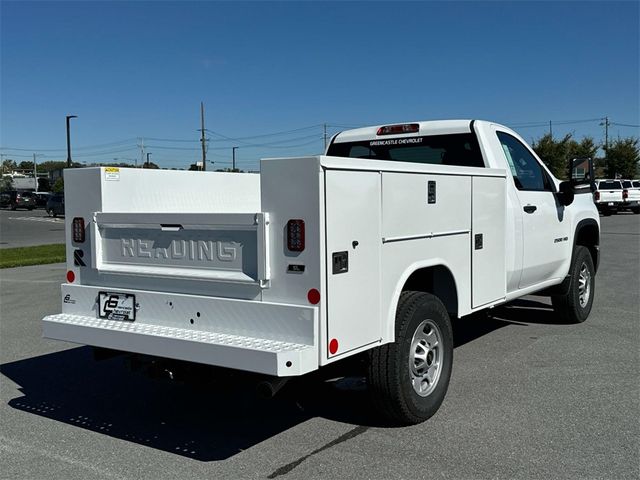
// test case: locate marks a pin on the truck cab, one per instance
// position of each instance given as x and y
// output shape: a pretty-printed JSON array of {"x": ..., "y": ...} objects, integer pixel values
[{"x": 540, "y": 229}]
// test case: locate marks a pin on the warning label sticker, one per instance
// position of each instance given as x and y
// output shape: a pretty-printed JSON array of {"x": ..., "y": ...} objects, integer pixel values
[{"x": 112, "y": 173}]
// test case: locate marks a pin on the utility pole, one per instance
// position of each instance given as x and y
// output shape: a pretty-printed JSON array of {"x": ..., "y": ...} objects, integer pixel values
[
  {"x": 141, "y": 152},
  {"x": 69, "y": 117},
  {"x": 204, "y": 151},
  {"x": 233, "y": 159},
  {"x": 550, "y": 130},
  {"x": 325, "y": 136},
  {"x": 606, "y": 124},
  {"x": 35, "y": 171},
  {"x": 148, "y": 153}
]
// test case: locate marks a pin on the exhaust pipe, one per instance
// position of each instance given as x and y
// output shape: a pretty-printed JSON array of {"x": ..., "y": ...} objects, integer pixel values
[{"x": 268, "y": 387}]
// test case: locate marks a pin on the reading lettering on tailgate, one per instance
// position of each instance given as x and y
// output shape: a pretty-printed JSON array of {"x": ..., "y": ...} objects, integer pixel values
[{"x": 232, "y": 250}]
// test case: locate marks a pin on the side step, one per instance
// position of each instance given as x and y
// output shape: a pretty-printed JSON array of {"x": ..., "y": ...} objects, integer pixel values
[{"x": 251, "y": 354}]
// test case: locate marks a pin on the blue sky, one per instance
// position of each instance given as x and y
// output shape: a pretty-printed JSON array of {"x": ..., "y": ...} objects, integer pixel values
[{"x": 140, "y": 69}]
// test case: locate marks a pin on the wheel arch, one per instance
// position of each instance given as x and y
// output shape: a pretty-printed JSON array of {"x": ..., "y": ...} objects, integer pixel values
[
  {"x": 587, "y": 234},
  {"x": 434, "y": 277}
]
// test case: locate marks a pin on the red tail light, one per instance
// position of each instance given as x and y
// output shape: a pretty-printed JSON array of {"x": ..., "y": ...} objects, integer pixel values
[
  {"x": 295, "y": 235},
  {"x": 78, "y": 229},
  {"x": 625, "y": 194},
  {"x": 597, "y": 196},
  {"x": 398, "y": 129}
]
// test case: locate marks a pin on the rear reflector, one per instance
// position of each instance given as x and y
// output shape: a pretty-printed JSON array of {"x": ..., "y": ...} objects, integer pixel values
[
  {"x": 295, "y": 235},
  {"x": 313, "y": 296},
  {"x": 78, "y": 229},
  {"x": 396, "y": 129},
  {"x": 70, "y": 276}
]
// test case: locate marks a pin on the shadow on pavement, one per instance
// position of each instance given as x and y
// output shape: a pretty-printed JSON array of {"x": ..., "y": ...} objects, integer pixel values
[{"x": 216, "y": 418}]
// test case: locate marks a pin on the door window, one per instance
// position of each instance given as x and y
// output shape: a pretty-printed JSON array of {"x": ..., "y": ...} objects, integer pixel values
[{"x": 527, "y": 173}]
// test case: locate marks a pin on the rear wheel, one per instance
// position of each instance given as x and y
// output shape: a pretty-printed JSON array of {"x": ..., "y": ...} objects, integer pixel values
[
  {"x": 636, "y": 210},
  {"x": 408, "y": 379},
  {"x": 576, "y": 304}
]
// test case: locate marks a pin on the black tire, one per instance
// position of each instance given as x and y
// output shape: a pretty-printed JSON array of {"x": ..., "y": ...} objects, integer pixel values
[
  {"x": 390, "y": 371},
  {"x": 606, "y": 212},
  {"x": 636, "y": 210},
  {"x": 573, "y": 307},
  {"x": 13, "y": 207}
]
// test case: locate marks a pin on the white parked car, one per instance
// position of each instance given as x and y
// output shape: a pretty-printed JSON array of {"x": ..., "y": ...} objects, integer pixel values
[
  {"x": 631, "y": 196},
  {"x": 372, "y": 247},
  {"x": 608, "y": 196}
]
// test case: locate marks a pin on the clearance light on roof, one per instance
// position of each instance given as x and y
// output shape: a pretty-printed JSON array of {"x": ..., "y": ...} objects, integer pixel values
[
  {"x": 295, "y": 235},
  {"x": 397, "y": 129}
]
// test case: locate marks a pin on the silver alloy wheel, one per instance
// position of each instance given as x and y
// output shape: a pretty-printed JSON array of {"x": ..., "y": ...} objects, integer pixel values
[
  {"x": 425, "y": 358},
  {"x": 584, "y": 285}
]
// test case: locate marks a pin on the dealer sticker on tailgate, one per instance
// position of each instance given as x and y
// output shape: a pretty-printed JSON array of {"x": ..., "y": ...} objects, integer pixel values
[{"x": 117, "y": 306}]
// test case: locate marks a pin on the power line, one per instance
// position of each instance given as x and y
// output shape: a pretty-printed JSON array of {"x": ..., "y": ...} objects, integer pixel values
[{"x": 624, "y": 125}]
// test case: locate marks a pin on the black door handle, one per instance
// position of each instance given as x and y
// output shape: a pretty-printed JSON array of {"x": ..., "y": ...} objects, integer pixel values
[{"x": 530, "y": 208}]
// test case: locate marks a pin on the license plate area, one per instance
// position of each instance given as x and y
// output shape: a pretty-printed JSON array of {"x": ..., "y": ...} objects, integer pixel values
[{"x": 117, "y": 306}]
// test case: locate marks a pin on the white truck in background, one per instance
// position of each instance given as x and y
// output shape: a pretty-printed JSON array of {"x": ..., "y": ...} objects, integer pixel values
[{"x": 372, "y": 247}]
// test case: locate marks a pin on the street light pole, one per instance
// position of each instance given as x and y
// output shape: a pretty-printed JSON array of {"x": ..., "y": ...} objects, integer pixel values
[
  {"x": 233, "y": 160},
  {"x": 35, "y": 169},
  {"x": 69, "y": 117},
  {"x": 148, "y": 153}
]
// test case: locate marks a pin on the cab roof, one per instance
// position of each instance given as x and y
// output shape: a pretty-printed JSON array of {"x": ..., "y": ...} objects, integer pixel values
[{"x": 431, "y": 127}]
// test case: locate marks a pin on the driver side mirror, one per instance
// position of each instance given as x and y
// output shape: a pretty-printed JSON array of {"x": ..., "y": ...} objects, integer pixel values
[
  {"x": 566, "y": 193},
  {"x": 581, "y": 175}
]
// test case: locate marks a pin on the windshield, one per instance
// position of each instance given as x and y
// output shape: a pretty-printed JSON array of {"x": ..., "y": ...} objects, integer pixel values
[{"x": 459, "y": 149}]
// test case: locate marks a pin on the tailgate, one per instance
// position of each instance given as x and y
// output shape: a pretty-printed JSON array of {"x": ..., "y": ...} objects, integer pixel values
[{"x": 227, "y": 247}]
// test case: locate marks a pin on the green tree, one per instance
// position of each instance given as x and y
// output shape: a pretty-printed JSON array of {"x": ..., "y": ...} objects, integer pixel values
[
  {"x": 58, "y": 186},
  {"x": 8, "y": 166},
  {"x": 25, "y": 165},
  {"x": 623, "y": 156},
  {"x": 586, "y": 148},
  {"x": 5, "y": 184},
  {"x": 51, "y": 165},
  {"x": 555, "y": 153},
  {"x": 44, "y": 185}
]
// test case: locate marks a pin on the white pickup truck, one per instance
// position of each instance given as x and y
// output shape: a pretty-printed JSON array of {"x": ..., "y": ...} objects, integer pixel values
[{"x": 372, "y": 248}]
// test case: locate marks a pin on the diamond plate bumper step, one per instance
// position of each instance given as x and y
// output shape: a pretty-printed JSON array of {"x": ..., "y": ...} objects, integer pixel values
[{"x": 259, "y": 355}]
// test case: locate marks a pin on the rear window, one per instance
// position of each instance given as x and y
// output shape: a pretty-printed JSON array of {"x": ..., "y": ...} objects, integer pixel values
[
  {"x": 459, "y": 149},
  {"x": 626, "y": 184},
  {"x": 636, "y": 184},
  {"x": 27, "y": 195},
  {"x": 610, "y": 186}
]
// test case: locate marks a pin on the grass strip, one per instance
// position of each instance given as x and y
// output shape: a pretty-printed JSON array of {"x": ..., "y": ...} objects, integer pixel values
[{"x": 37, "y": 255}]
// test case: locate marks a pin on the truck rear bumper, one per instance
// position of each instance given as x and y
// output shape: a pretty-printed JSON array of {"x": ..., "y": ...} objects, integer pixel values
[{"x": 273, "y": 339}]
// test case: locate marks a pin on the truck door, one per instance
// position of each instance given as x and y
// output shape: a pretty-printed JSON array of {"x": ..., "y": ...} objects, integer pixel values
[
  {"x": 353, "y": 259},
  {"x": 545, "y": 227}
]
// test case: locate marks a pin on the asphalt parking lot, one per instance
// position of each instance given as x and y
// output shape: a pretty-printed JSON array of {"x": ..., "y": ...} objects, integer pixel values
[
  {"x": 529, "y": 398},
  {"x": 23, "y": 228}
]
